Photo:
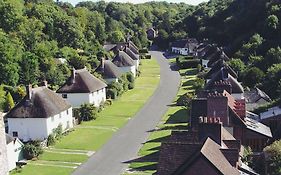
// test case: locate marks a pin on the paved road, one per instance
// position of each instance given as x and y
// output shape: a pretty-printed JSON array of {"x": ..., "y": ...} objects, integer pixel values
[{"x": 125, "y": 143}]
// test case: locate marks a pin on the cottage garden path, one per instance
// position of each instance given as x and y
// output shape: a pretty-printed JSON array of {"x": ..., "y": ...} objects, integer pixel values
[{"x": 87, "y": 138}]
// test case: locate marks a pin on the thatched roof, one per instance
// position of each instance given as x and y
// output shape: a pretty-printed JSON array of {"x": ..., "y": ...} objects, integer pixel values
[
  {"x": 81, "y": 81},
  {"x": 40, "y": 102}
]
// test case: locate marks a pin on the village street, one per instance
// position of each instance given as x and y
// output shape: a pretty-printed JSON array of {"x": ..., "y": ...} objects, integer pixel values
[{"x": 124, "y": 145}]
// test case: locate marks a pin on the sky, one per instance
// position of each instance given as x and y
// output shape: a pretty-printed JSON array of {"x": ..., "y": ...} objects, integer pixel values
[{"x": 193, "y": 2}]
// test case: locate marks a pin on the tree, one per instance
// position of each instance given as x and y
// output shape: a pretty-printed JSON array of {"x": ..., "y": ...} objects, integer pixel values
[
  {"x": 29, "y": 68},
  {"x": 253, "y": 76},
  {"x": 237, "y": 65},
  {"x": 9, "y": 104},
  {"x": 273, "y": 158},
  {"x": 11, "y": 14},
  {"x": 116, "y": 36},
  {"x": 250, "y": 48},
  {"x": 272, "y": 21},
  {"x": 88, "y": 112}
]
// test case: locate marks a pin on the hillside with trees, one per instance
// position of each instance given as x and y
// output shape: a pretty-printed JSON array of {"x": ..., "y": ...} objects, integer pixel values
[{"x": 35, "y": 34}]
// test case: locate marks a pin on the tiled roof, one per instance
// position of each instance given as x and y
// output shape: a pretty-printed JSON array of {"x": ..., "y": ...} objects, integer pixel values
[
  {"x": 257, "y": 127},
  {"x": 82, "y": 82},
  {"x": 219, "y": 55},
  {"x": 256, "y": 94},
  {"x": 213, "y": 154},
  {"x": 43, "y": 103},
  {"x": 225, "y": 76},
  {"x": 221, "y": 64}
]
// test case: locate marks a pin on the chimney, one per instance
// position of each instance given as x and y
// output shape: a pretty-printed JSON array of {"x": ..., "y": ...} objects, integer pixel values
[
  {"x": 29, "y": 91},
  {"x": 73, "y": 75},
  {"x": 45, "y": 83},
  {"x": 210, "y": 128},
  {"x": 102, "y": 63}
]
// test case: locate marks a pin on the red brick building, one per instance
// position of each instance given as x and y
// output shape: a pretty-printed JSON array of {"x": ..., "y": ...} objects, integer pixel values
[{"x": 211, "y": 150}]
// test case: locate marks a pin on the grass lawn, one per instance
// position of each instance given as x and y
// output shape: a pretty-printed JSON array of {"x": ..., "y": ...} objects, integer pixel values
[
  {"x": 94, "y": 134},
  {"x": 176, "y": 118},
  {"x": 51, "y": 156},
  {"x": 43, "y": 170}
]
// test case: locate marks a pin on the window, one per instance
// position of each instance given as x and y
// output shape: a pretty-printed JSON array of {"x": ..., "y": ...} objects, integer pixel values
[
  {"x": 64, "y": 95},
  {"x": 67, "y": 112},
  {"x": 15, "y": 134}
]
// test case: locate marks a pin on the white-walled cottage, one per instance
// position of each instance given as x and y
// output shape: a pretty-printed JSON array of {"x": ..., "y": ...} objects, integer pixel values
[
  {"x": 14, "y": 151},
  {"x": 38, "y": 113},
  {"x": 3, "y": 149},
  {"x": 125, "y": 63},
  {"x": 82, "y": 87},
  {"x": 109, "y": 71},
  {"x": 185, "y": 46}
]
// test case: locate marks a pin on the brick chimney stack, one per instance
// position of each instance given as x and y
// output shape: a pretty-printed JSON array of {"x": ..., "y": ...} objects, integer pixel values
[{"x": 210, "y": 127}]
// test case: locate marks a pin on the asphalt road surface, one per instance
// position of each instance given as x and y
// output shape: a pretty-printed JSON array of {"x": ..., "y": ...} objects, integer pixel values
[{"x": 125, "y": 143}]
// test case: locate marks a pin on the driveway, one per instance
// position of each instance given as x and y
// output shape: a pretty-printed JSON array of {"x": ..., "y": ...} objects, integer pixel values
[{"x": 125, "y": 143}]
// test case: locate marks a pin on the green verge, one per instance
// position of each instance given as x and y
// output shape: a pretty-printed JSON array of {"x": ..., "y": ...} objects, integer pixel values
[
  {"x": 94, "y": 134},
  {"x": 175, "y": 119}
]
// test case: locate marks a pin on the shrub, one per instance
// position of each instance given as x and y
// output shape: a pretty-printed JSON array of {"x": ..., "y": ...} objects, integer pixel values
[
  {"x": 32, "y": 149},
  {"x": 111, "y": 93},
  {"x": 51, "y": 140},
  {"x": 130, "y": 77},
  {"x": 9, "y": 103},
  {"x": 187, "y": 62},
  {"x": 131, "y": 85},
  {"x": 273, "y": 157},
  {"x": 58, "y": 132},
  {"x": 144, "y": 50},
  {"x": 185, "y": 99},
  {"x": 88, "y": 112},
  {"x": 108, "y": 102},
  {"x": 198, "y": 84},
  {"x": 147, "y": 56}
]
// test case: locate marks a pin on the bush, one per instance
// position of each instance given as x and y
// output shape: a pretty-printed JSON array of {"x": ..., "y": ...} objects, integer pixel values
[
  {"x": 130, "y": 77},
  {"x": 111, "y": 93},
  {"x": 108, "y": 102},
  {"x": 32, "y": 149},
  {"x": 131, "y": 85},
  {"x": 143, "y": 51},
  {"x": 58, "y": 132},
  {"x": 88, "y": 112},
  {"x": 198, "y": 84},
  {"x": 51, "y": 140},
  {"x": 273, "y": 157},
  {"x": 185, "y": 99},
  {"x": 187, "y": 62}
]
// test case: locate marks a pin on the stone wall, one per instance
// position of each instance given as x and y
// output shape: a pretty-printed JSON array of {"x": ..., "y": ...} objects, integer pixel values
[{"x": 3, "y": 149}]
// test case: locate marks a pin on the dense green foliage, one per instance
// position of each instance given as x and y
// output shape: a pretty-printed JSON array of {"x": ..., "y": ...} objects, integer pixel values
[
  {"x": 35, "y": 33},
  {"x": 32, "y": 149},
  {"x": 88, "y": 112},
  {"x": 273, "y": 158}
]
